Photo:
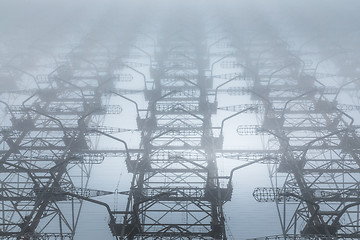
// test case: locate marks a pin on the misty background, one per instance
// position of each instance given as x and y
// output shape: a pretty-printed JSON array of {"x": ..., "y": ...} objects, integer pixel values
[{"x": 38, "y": 36}]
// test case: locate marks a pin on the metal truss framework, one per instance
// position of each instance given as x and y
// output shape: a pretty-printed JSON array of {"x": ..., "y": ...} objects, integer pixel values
[
  {"x": 42, "y": 158},
  {"x": 315, "y": 179},
  {"x": 176, "y": 192},
  {"x": 49, "y": 147},
  {"x": 312, "y": 142}
]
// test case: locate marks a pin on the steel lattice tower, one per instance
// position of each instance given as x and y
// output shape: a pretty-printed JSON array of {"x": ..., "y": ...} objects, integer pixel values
[
  {"x": 49, "y": 148},
  {"x": 175, "y": 191},
  {"x": 316, "y": 176}
]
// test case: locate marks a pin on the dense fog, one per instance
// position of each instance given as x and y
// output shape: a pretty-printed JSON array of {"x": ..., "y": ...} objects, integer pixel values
[{"x": 232, "y": 119}]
